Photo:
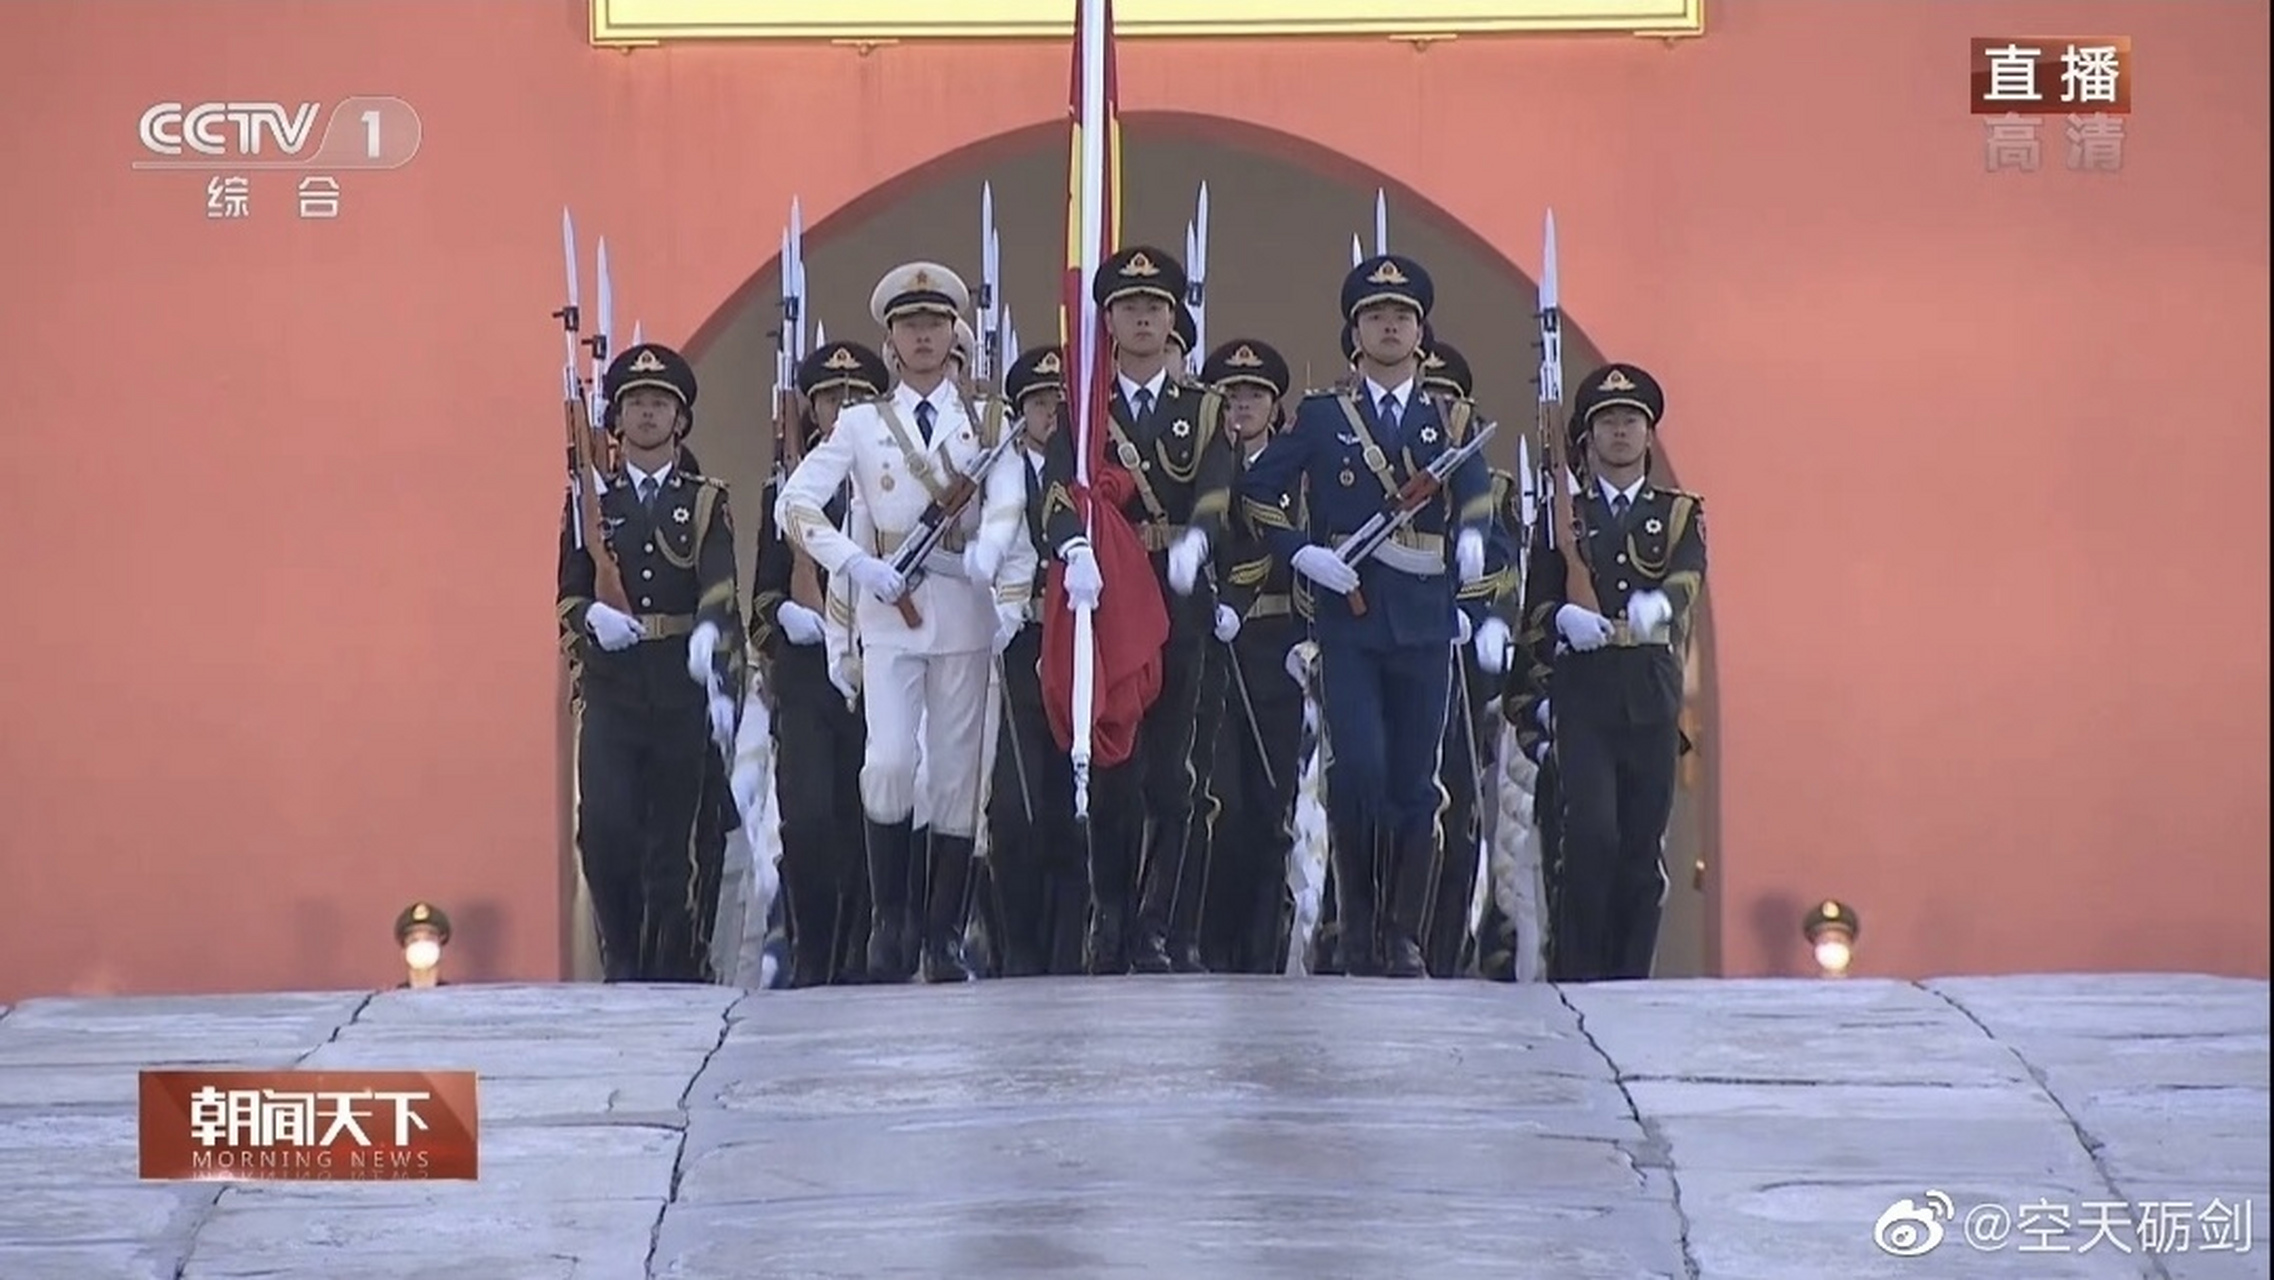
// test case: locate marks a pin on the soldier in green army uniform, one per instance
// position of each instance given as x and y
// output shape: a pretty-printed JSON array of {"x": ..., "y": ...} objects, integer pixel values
[
  {"x": 655, "y": 679},
  {"x": 1167, "y": 431},
  {"x": 1605, "y": 675},
  {"x": 818, "y": 735},
  {"x": 1482, "y": 650},
  {"x": 1251, "y": 791}
]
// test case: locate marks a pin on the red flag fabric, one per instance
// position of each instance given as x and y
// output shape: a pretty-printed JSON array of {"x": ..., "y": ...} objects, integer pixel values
[{"x": 1130, "y": 629}]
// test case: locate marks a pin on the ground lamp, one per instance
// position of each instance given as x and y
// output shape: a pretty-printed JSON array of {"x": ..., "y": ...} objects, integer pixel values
[
  {"x": 422, "y": 931},
  {"x": 1831, "y": 932}
]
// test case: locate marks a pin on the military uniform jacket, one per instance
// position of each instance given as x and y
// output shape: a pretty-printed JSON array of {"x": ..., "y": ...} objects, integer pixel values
[
  {"x": 771, "y": 582},
  {"x": 1494, "y": 595},
  {"x": 677, "y": 560},
  {"x": 1660, "y": 545},
  {"x": 1037, "y": 466},
  {"x": 1179, "y": 456},
  {"x": 1352, "y": 467},
  {"x": 878, "y": 445}
]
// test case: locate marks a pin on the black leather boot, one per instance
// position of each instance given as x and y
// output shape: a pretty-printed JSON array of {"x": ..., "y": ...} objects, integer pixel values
[
  {"x": 1156, "y": 899},
  {"x": 889, "y": 946},
  {"x": 1106, "y": 948},
  {"x": 945, "y": 906},
  {"x": 1354, "y": 855},
  {"x": 1412, "y": 861}
]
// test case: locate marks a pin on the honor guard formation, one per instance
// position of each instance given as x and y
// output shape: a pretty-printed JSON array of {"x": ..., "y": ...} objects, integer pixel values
[{"x": 1313, "y": 619}]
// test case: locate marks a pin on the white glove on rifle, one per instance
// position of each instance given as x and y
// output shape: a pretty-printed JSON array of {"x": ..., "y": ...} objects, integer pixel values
[
  {"x": 876, "y": 577},
  {"x": 980, "y": 561},
  {"x": 1184, "y": 561},
  {"x": 1227, "y": 623},
  {"x": 701, "y": 648},
  {"x": 1084, "y": 584},
  {"x": 1492, "y": 646},
  {"x": 1461, "y": 626},
  {"x": 1009, "y": 618},
  {"x": 799, "y": 624},
  {"x": 1323, "y": 566},
  {"x": 1583, "y": 629},
  {"x": 1647, "y": 611},
  {"x": 1468, "y": 556},
  {"x": 612, "y": 628}
]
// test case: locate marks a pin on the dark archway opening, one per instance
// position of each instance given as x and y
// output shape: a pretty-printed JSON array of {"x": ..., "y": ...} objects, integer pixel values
[{"x": 1283, "y": 211}]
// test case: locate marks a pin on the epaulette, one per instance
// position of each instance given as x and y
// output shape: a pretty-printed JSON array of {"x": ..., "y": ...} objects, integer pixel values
[
  {"x": 1672, "y": 492},
  {"x": 1323, "y": 393},
  {"x": 712, "y": 481}
]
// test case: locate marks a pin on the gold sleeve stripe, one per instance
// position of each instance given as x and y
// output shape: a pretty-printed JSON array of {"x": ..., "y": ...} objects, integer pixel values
[
  {"x": 1480, "y": 507},
  {"x": 1251, "y": 573},
  {"x": 1266, "y": 515},
  {"x": 720, "y": 594},
  {"x": 840, "y": 609},
  {"x": 572, "y": 622},
  {"x": 1215, "y": 502},
  {"x": 1014, "y": 592}
]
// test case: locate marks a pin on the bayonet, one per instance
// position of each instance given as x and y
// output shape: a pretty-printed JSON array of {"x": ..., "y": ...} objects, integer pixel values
[{"x": 1381, "y": 221}]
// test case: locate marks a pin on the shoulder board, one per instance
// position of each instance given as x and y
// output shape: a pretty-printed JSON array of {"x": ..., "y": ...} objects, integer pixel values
[
  {"x": 711, "y": 482},
  {"x": 1323, "y": 393},
  {"x": 1672, "y": 492}
]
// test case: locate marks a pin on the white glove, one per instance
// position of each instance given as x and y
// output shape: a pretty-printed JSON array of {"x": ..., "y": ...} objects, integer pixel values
[
  {"x": 1583, "y": 629},
  {"x": 799, "y": 624},
  {"x": 613, "y": 628},
  {"x": 701, "y": 648},
  {"x": 1299, "y": 657},
  {"x": 980, "y": 561},
  {"x": 1492, "y": 646},
  {"x": 1323, "y": 566},
  {"x": 722, "y": 719},
  {"x": 1547, "y": 721},
  {"x": 842, "y": 683},
  {"x": 1647, "y": 611},
  {"x": 1468, "y": 556},
  {"x": 1084, "y": 584},
  {"x": 1462, "y": 627},
  {"x": 1227, "y": 623},
  {"x": 1184, "y": 561},
  {"x": 876, "y": 577},
  {"x": 1009, "y": 618}
]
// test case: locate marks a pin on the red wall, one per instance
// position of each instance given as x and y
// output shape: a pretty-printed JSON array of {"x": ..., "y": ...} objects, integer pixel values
[{"x": 1984, "y": 452}]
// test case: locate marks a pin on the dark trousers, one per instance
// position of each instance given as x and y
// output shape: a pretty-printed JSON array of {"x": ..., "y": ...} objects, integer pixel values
[
  {"x": 1252, "y": 791},
  {"x": 1464, "y": 764},
  {"x": 1036, "y": 895},
  {"x": 817, "y": 771},
  {"x": 1617, "y": 791},
  {"x": 640, "y": 776},
  {"x": 1385, "y": 716},
  {"x": 1176, "y": 751}
]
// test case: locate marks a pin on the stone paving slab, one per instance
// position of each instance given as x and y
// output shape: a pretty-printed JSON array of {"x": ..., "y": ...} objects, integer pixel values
[{"x": 1193, "y": 1127}]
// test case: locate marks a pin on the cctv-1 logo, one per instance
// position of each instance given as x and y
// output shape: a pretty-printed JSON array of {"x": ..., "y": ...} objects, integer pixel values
[{"x": 359, "y": 133}]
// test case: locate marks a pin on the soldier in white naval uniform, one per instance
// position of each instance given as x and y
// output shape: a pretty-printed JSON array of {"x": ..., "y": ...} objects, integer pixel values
[{"x": 901, "y": 451}]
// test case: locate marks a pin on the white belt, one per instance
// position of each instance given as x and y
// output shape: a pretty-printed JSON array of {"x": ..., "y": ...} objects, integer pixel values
[{"x": 1413, "y": 560}]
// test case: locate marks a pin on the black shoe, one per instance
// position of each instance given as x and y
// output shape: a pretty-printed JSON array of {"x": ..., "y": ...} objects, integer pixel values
[
  {"x": 945, "y": 906},
  {"x": 1151, "y": 954},
  {"x": 1184, "y": 957},
  {"x": 1404, "y": 959},
  {"x": 891, "y": 949}
]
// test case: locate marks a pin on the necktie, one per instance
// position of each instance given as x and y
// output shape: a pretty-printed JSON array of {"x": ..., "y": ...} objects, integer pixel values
[
  {"x": 1619, "y": 505},
  {"x": 924, "y": 415},
  {"x": 1143, "y": 402},
  {"x": 648, "y": 486},
  {"x": 1390, "y": 411}
]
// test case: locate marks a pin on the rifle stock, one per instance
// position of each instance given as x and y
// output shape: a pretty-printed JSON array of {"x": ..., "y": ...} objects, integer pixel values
[
  {"x": 607, "y": 577},
  {"x": 1563, "y": 514}
]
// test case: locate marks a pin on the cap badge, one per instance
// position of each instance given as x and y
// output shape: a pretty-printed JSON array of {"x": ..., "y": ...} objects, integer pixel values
[
  {"x": 647, "y": 362},
  {"x": 1388, "y": 273},
  {"x": 1245, "y": 358},
  {"x": 1616, "y": 380},
  {"x": 1139, "y": 265},
  {"x": 1048, "y": 364},
  {"x": 842, "y": 358}
]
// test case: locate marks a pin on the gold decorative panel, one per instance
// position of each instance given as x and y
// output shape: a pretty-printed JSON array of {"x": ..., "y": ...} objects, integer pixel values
[{"x": 639, "y": 22}]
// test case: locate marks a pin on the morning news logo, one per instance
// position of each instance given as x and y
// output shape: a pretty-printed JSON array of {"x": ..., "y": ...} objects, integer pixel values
[
  {"x": 310, "y": 1126},
  {"x": 2051, "y": 76}
]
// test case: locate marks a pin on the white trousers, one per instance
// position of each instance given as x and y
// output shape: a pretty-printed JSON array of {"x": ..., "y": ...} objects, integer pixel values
[{"x": 942, "y": 697}]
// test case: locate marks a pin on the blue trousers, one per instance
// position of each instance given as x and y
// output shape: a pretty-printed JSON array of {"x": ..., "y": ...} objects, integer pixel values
[{"x": 1385, "y": 721}]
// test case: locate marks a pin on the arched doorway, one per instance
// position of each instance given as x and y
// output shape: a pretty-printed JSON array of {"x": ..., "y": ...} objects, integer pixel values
[{"x": 1283, "y": 211}]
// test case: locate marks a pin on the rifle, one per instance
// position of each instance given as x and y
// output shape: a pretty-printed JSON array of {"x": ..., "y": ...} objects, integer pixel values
[
  {"x": 1416, "y": 494},
  {"x": 789, "y": 425},
  {"x": 939, "y": 516},
  {"x": 1564, "y": 531},
  {"x": 589, "y": 532}
]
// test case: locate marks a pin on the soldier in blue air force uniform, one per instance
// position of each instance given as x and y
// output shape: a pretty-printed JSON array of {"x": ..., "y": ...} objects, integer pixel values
[{"x": 1385, "y": 664}]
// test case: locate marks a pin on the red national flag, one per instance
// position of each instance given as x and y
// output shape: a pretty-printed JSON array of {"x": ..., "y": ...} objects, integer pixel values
[{"x": 1131, "y": 624}]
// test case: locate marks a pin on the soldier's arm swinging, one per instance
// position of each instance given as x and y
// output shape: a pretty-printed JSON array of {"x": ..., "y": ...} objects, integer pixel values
[
  {"x": 715, "y": 578},
  {"x": 1002, "y": 521},
  {"x": 802, "y": 509},
  {"x": 1061, "y": 522},
  {"x": 770, "y": 580},
  {"x": 1215, "y": 471},
  {"x": 1686, "y": 563},
  {"x": 1270, "y": 478}
]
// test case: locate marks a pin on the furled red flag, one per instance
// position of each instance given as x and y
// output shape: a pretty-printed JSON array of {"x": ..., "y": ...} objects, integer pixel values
[{"x": 1113, "y": 657}]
